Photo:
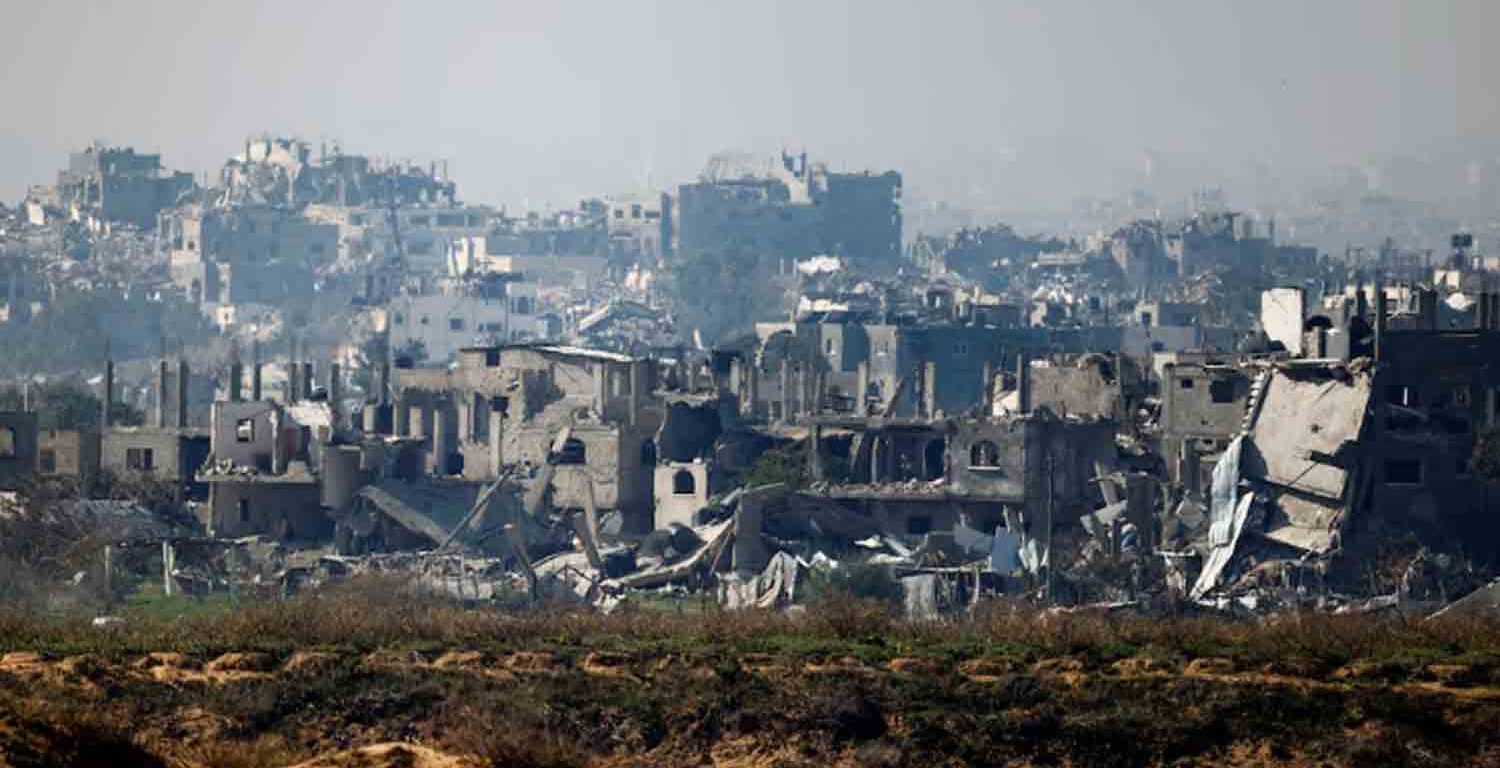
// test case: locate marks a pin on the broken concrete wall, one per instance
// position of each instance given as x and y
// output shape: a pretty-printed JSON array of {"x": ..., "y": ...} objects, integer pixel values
[
  {"x": 244, "y": 433},
  {"x": 1091, "y": 385},
  {"x": 286, "y": 511},
  {"x": 1202, "y": 407},
  {"x": 681, "y": 489},
  {"x": 167, "y": 454},
  {"x": 68, "y": 453},
  {"x": 1282, "y": 315},
  {"x": 688, "y": 430}
]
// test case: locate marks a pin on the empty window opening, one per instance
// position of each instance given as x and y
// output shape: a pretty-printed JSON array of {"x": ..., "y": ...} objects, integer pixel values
[
  {"x": 573, "y": 452},
  {"x": 1221, "y": 391},
  {"x": 935, "y": 459},
  {"x": 47, "y": 461},
  {"x": 984, "y": 454},
  {"x": 142, "y": 459},
  {"x": 683, "y": 483},
  {"x": 244, "y": 510}
]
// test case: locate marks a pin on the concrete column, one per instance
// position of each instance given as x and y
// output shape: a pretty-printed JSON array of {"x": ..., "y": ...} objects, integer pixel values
[
  {"x": 1140, "y": 492},
  {"x": 637, "y": 390},
  {"x": 497, "y": 442},
  {"x": 1191, "y": 473},
  {"x": 236, "y": 377},
  {"x": 987, "y": 384},
  {"x": 752, "y": 389},
  {"x": 749, "y": 551},
  {"x": 786, "y": 391},
  {"x": 801, "y": 389},
  {"x": 440, "y": 439},
  {"x": 1379, "y": 316},
  {"x": 335, "y": 390},
  {"x": 421, "y": 419},
  {"x": 161, "y": 395},
  {"x": 815, "y": 451},
  {"x": 929, "y": 389},
  {"x": 402, "y": 415},
  {"x": 278, "y": 457},
  {"x": 601, "y": 388},
  {"x": 736, "y": 377},
  {"x": 1023, "y": 382},
  {"x": 182, "y": 393},
  {"x": 109, "y": 394},
  {"x": 371, "y": 423},
  {"x": 384, "y": 382},
  {"x": 861, "y": 388},
  {"x": 476, "y": 418}
]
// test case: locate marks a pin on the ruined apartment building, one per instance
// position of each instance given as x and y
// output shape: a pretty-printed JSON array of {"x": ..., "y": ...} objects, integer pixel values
[
  {"x": 792, "y": 211},
  {"x": 916, "y": 476},
  {"x": 592, "y": 414},
  {"x": 260, "y": 472},
  {"x": 261, "y": 255},
  {"x": 421, "y": 235},
  {"x": 120, "y": 185},
  {"x": 168, "y": 450},
  {"x": 463, "y": 314},
  {"x": 286, "y": 171}
]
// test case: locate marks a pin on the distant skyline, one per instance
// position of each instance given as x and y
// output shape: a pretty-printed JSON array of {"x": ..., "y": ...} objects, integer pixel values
[{"x": 1012, "y": 104}]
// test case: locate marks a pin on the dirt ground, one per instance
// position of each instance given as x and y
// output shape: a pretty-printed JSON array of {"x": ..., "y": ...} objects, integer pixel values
[{"x": 455, "y": 707}]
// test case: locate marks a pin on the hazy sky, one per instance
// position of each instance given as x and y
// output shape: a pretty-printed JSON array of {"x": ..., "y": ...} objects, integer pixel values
[{"x": 540, "y": 102}]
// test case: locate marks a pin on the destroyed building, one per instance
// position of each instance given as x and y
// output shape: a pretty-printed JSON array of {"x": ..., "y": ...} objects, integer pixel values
[
  {"x": 496, "y": 309},
  {"x": 790, "y": 210},
  {"x": 246, "y": 255},
  {"x": 168, "y": 450},
  {"x": 117, "y": 184},
  {"x": 505, "y": 405},
  {"x": 285, "y": 171},
  {"x": 18, "y": 448}
]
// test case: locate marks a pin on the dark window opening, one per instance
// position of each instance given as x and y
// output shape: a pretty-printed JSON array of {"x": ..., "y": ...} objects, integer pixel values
[
  {"x": 683, "y": 483},
  {"x": 492, "y": 358},
  {"x": 984, "y": 454},
  {"x": 142, "y": 459},
  {"x": 1221, "y": 391},
  {"x": 918, "y": 525},
  {"x": 244, "y": 510},
  {"x": 455, "y": 323},
  {"x": 47, "y": 461},
  {"x": 573, "y": 452},
  {"x": 1186, "y": 383},
  {"x": 1403, "y": 472},
  {"x": 935, "y": 459}
]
